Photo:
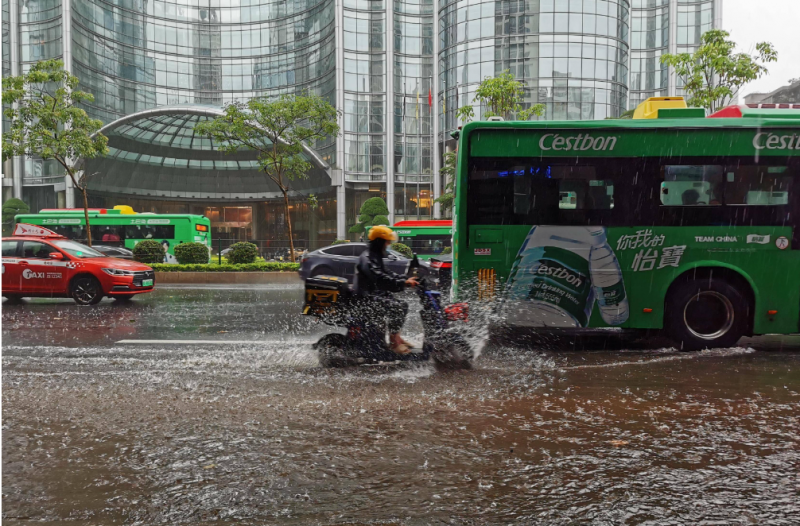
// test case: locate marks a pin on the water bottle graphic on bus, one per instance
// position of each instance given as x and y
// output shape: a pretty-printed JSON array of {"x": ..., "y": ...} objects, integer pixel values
[{"x": 560, "y": 271}]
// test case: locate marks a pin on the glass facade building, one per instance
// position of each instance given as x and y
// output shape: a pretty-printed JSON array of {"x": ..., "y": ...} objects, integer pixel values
[
  {"x": 397, "y": 70},
  {"x": 665, "y": 26}
]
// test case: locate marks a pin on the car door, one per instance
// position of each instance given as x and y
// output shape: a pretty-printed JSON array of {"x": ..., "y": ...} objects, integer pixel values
[
  {"x": 351, "y": 260},
  {"x": 396, "y": 263},
  {"x": 40, "y": 274},
  {"x": 12, "y": 272},
  {"x": 340, "y": 259}
]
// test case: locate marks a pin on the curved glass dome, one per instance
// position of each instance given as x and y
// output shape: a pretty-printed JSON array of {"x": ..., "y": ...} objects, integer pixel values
[{"x": 157, "y": 153}]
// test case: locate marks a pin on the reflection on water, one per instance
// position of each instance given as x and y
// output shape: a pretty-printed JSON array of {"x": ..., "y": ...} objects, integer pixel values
[{"x": 257, "y": 433}]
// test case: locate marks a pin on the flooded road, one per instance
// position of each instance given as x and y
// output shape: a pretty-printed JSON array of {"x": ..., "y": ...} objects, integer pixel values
[{"x": 146, "y": 432}]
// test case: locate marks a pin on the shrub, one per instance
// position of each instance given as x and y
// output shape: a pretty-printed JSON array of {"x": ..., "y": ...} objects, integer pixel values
[
  {"x": 260, "y": 266},
  {"x": 339, "y": 241},
  {"x": 403, "y": 249},
  {"x": 380, "y": 220},
  {"x": 447, "y": 250},
  {"x": 148, "y": 251},
  {"x": 242, "y": 252},
  {"x": 372, "y": 207},
  {"x": 187, "y": 253}
]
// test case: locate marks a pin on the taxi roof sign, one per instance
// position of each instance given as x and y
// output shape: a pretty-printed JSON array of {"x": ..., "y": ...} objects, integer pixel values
[{"x": 24, "y": 229}]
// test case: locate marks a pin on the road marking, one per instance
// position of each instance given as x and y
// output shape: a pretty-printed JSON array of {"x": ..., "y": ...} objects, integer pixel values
[{"x": 211, "y": 342}]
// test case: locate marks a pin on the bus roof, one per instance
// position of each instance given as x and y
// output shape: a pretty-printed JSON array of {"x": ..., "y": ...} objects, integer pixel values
[
  {"x": 752, "y": 121},
  {"x": 425, "y": 223},
  {"x": 97, "y": 212}
]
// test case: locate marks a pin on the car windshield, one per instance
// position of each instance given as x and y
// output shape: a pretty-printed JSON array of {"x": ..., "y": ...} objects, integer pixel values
[{"x": 76, "y": 249}]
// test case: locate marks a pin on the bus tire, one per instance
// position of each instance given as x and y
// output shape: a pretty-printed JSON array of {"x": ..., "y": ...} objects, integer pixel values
[
  {"x": 86, "y": 290},
  {"x": 706, "y": 313}
]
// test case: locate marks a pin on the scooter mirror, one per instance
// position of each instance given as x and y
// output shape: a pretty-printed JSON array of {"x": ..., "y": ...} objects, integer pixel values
[{"x": 414, "y": 262}]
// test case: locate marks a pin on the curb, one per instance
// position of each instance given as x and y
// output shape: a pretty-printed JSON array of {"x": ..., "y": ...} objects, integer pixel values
[{"x": 208, "y": 278}]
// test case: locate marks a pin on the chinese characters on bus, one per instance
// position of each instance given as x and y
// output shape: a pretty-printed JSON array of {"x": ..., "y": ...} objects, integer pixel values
[{"x": 650, "y": 255}]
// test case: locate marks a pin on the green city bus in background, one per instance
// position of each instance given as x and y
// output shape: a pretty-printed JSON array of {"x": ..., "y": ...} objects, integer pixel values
[
  {"x": 671, "y": 220},
  {"x": 426, "y": 238},
  {"x": 122, "y": 227}
]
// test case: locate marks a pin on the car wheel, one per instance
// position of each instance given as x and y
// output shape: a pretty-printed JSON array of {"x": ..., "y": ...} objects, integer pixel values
[
  {"x": 13, "y": 298},
  {"x": 706, "y": 313},
  {"x": 86, "y": 290}
]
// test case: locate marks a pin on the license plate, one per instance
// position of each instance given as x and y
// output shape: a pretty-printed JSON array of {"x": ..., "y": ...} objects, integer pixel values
[{"x": 147, "y": 283}]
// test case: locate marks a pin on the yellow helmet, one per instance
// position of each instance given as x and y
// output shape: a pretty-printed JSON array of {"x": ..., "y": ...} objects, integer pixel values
[{"x": 382, "y": 232}]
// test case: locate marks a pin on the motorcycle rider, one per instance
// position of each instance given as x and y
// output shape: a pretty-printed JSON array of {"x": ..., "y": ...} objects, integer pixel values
[{"x": 374, "y": 283}]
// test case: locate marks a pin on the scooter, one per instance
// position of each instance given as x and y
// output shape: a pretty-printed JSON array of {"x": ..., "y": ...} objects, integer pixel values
[{"x": 331, "y": 300}]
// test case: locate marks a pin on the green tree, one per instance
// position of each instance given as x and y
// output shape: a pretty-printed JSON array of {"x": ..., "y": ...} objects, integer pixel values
[
  {"x": 448, "y": 173},
  {"x": 373, "y": 212},
  {"x": 501, "y": 96},
  {"x": 276, "y": 130},
  {"x": 11, "y": 208},
  {"x": 625, "y": 115},
  {"x": 43, "y": 107},
  {"x": 714, "y": 73}
]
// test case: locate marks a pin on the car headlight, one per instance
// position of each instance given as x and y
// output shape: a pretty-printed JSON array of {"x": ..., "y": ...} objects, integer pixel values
[{"x": 118, "y": 272}]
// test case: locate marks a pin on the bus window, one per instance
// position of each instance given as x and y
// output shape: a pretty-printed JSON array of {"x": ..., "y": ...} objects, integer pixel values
[
  {"x": 567, "y": 200},
  {"x": 691, "y": 185},
  {"x": 757, "y": 185},
  {"x": 585, "y": 193},
  {"x": 110, "y": 235},
  {"x": 540, "y": 192},
  {"x": 150, "y": 232},
  {"x": 77, "y": 232}
]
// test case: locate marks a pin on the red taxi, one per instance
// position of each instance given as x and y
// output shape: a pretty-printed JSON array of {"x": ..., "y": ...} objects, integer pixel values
[{"x": 39, "y": 262}]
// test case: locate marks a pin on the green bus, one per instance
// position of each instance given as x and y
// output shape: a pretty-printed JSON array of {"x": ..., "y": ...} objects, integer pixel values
[
  {"x": 122, "y": 227},
  {"x": 426, "y": 238},
  {"x": 678, "y": 221}
]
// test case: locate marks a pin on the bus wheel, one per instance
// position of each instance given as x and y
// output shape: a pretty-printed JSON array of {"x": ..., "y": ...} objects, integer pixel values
[
  {"x": 706, "y": 313},
  {"x": 86, "y": 290}
]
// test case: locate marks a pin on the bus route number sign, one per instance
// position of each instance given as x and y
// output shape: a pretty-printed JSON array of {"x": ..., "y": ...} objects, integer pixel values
[{"x": 483, "y": 251}]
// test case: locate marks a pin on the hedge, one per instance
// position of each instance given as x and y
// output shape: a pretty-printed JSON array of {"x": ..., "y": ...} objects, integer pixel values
[
  {"x": 187, "y": 253},
  {"x": 265, "y": 266},
  {"x": 403, "y": 249}
]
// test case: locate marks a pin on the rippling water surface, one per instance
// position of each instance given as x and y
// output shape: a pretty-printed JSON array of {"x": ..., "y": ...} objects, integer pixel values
[{"x": 101, "y": 432}]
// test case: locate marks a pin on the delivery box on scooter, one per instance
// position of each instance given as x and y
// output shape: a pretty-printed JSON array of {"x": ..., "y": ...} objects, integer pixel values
[{"x": 323, "y": 293}]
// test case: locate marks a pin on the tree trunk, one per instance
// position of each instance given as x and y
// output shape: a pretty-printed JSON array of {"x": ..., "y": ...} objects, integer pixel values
[
  {"x": 288, "y": 221},
  {"x": 86, "y": 215}
]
